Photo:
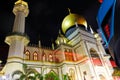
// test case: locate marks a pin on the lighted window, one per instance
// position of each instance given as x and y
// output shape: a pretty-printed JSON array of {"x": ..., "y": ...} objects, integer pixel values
[
  {"x": 35, "y": 56},
  {"x": 93, "y": 53},
  {"x": 95, "y": 57},
  {"x": 44, "y": 57},
  {"x": 50, "y": 58},
  {"x": 68, "y": 54},
  {"x": 27, "y": 55},
  {"x": 72, "y": 74}
]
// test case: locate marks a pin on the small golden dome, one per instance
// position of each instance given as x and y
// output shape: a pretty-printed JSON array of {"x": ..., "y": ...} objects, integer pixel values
[
  {"x": 61, "y": 39},
  {"x": 70, "y": 21}
]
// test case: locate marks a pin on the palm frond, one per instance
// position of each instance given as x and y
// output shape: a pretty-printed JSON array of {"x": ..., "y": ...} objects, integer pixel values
[{"x": 18, "y": 72}]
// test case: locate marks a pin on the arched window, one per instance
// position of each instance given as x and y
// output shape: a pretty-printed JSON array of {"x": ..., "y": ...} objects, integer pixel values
[
  {"x": 68, "y": 54},
  {"x": 35, "y": 56},
  {"x": 44, "y": 57},
  {"x": 72, "y": 74},
  {"x": 93, "y": 53},
  {"x": 102, "y": 77},
  {"x": 50, "y": 57},
  {"x": 27, "y": 55},
  {"x": 84, "y": 75},
  {"x": 95, "y": 57}
]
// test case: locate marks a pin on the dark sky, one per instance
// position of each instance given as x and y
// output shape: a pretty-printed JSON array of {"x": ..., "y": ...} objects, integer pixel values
[{"x": 45, "y": 18}]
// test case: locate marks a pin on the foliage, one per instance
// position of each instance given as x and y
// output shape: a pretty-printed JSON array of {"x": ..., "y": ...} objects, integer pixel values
[
  {"x": 51, "y": 76},
  {"x": 66, "y": 77},
  {"x": 17, "y": 72},
  {"x": 116, "y": 72},
  {"x": 28, "y": 74},
  {"x": 32, "y": 74},
  {"x": 38, "y": 77}
]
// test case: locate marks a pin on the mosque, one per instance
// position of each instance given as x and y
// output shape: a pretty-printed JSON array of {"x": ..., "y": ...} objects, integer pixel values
[{"x": 79, "y": 54}]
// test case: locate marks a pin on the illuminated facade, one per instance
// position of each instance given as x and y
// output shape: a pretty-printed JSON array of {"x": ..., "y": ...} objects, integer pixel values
[{"x": 79, "y": 55}]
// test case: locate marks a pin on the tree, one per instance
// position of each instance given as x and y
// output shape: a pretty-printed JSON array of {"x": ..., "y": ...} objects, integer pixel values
[
  {"x": 38, "y": 77},
  {"x": 28, "y": 74},
  {"x": 16, "y": 74},
  {"x": 66, "y": 77},
  {"x": 51, "y": 76}
]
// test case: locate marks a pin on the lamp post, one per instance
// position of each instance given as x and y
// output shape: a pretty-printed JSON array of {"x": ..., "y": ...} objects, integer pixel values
[{"x": 0, "y": 61}]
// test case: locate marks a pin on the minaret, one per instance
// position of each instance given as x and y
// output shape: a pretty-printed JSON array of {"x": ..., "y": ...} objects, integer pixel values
[{"x": 17, "y": 39}]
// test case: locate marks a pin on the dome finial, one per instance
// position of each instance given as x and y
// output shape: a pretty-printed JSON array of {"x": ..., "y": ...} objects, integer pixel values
[
  {"x": 20, "y": 0},
  {"x": 69, "y": 10}
]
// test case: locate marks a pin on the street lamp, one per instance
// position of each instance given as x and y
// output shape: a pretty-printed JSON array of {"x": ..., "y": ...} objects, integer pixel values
[{"x": 0, "y": 61}]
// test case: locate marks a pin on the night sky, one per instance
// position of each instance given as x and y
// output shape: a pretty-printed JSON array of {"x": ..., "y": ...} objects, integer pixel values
[{"x": 45, "y": 19}]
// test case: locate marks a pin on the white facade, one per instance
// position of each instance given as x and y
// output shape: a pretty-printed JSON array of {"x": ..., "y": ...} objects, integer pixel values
[
  {"x": 76, "y": 60},
  {"x": 82, "y": 57}
]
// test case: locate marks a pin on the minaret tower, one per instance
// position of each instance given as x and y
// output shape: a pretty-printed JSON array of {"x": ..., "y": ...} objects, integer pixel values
[{"x": 17, "y": 39}]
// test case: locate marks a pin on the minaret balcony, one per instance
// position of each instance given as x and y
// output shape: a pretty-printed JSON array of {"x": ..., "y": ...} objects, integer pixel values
[{"x": 17, "y": 36}]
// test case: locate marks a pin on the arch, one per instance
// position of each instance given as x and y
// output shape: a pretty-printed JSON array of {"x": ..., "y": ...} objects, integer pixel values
[
  {"x": 16, "y": 74},
  {"x": 95, "y": 57},
  {"x": 72, "y": 74},
  {"x": 50, "y": 57},
  {"x": 43, "y": 56},
  {"x": 27, "y": 53},
  {"x": 35, "y": 56},
  {"x": 31, "y": 72},
  {"x": 93, "y": 52},
  {"x": 102, "y": 77},
  {"x": 85, "y": 75}
]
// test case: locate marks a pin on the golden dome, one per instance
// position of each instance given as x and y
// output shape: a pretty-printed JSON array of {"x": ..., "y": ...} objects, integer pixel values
[
  {"x": 61, "y": 39},
  {"x": 70, "y": 21}
]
